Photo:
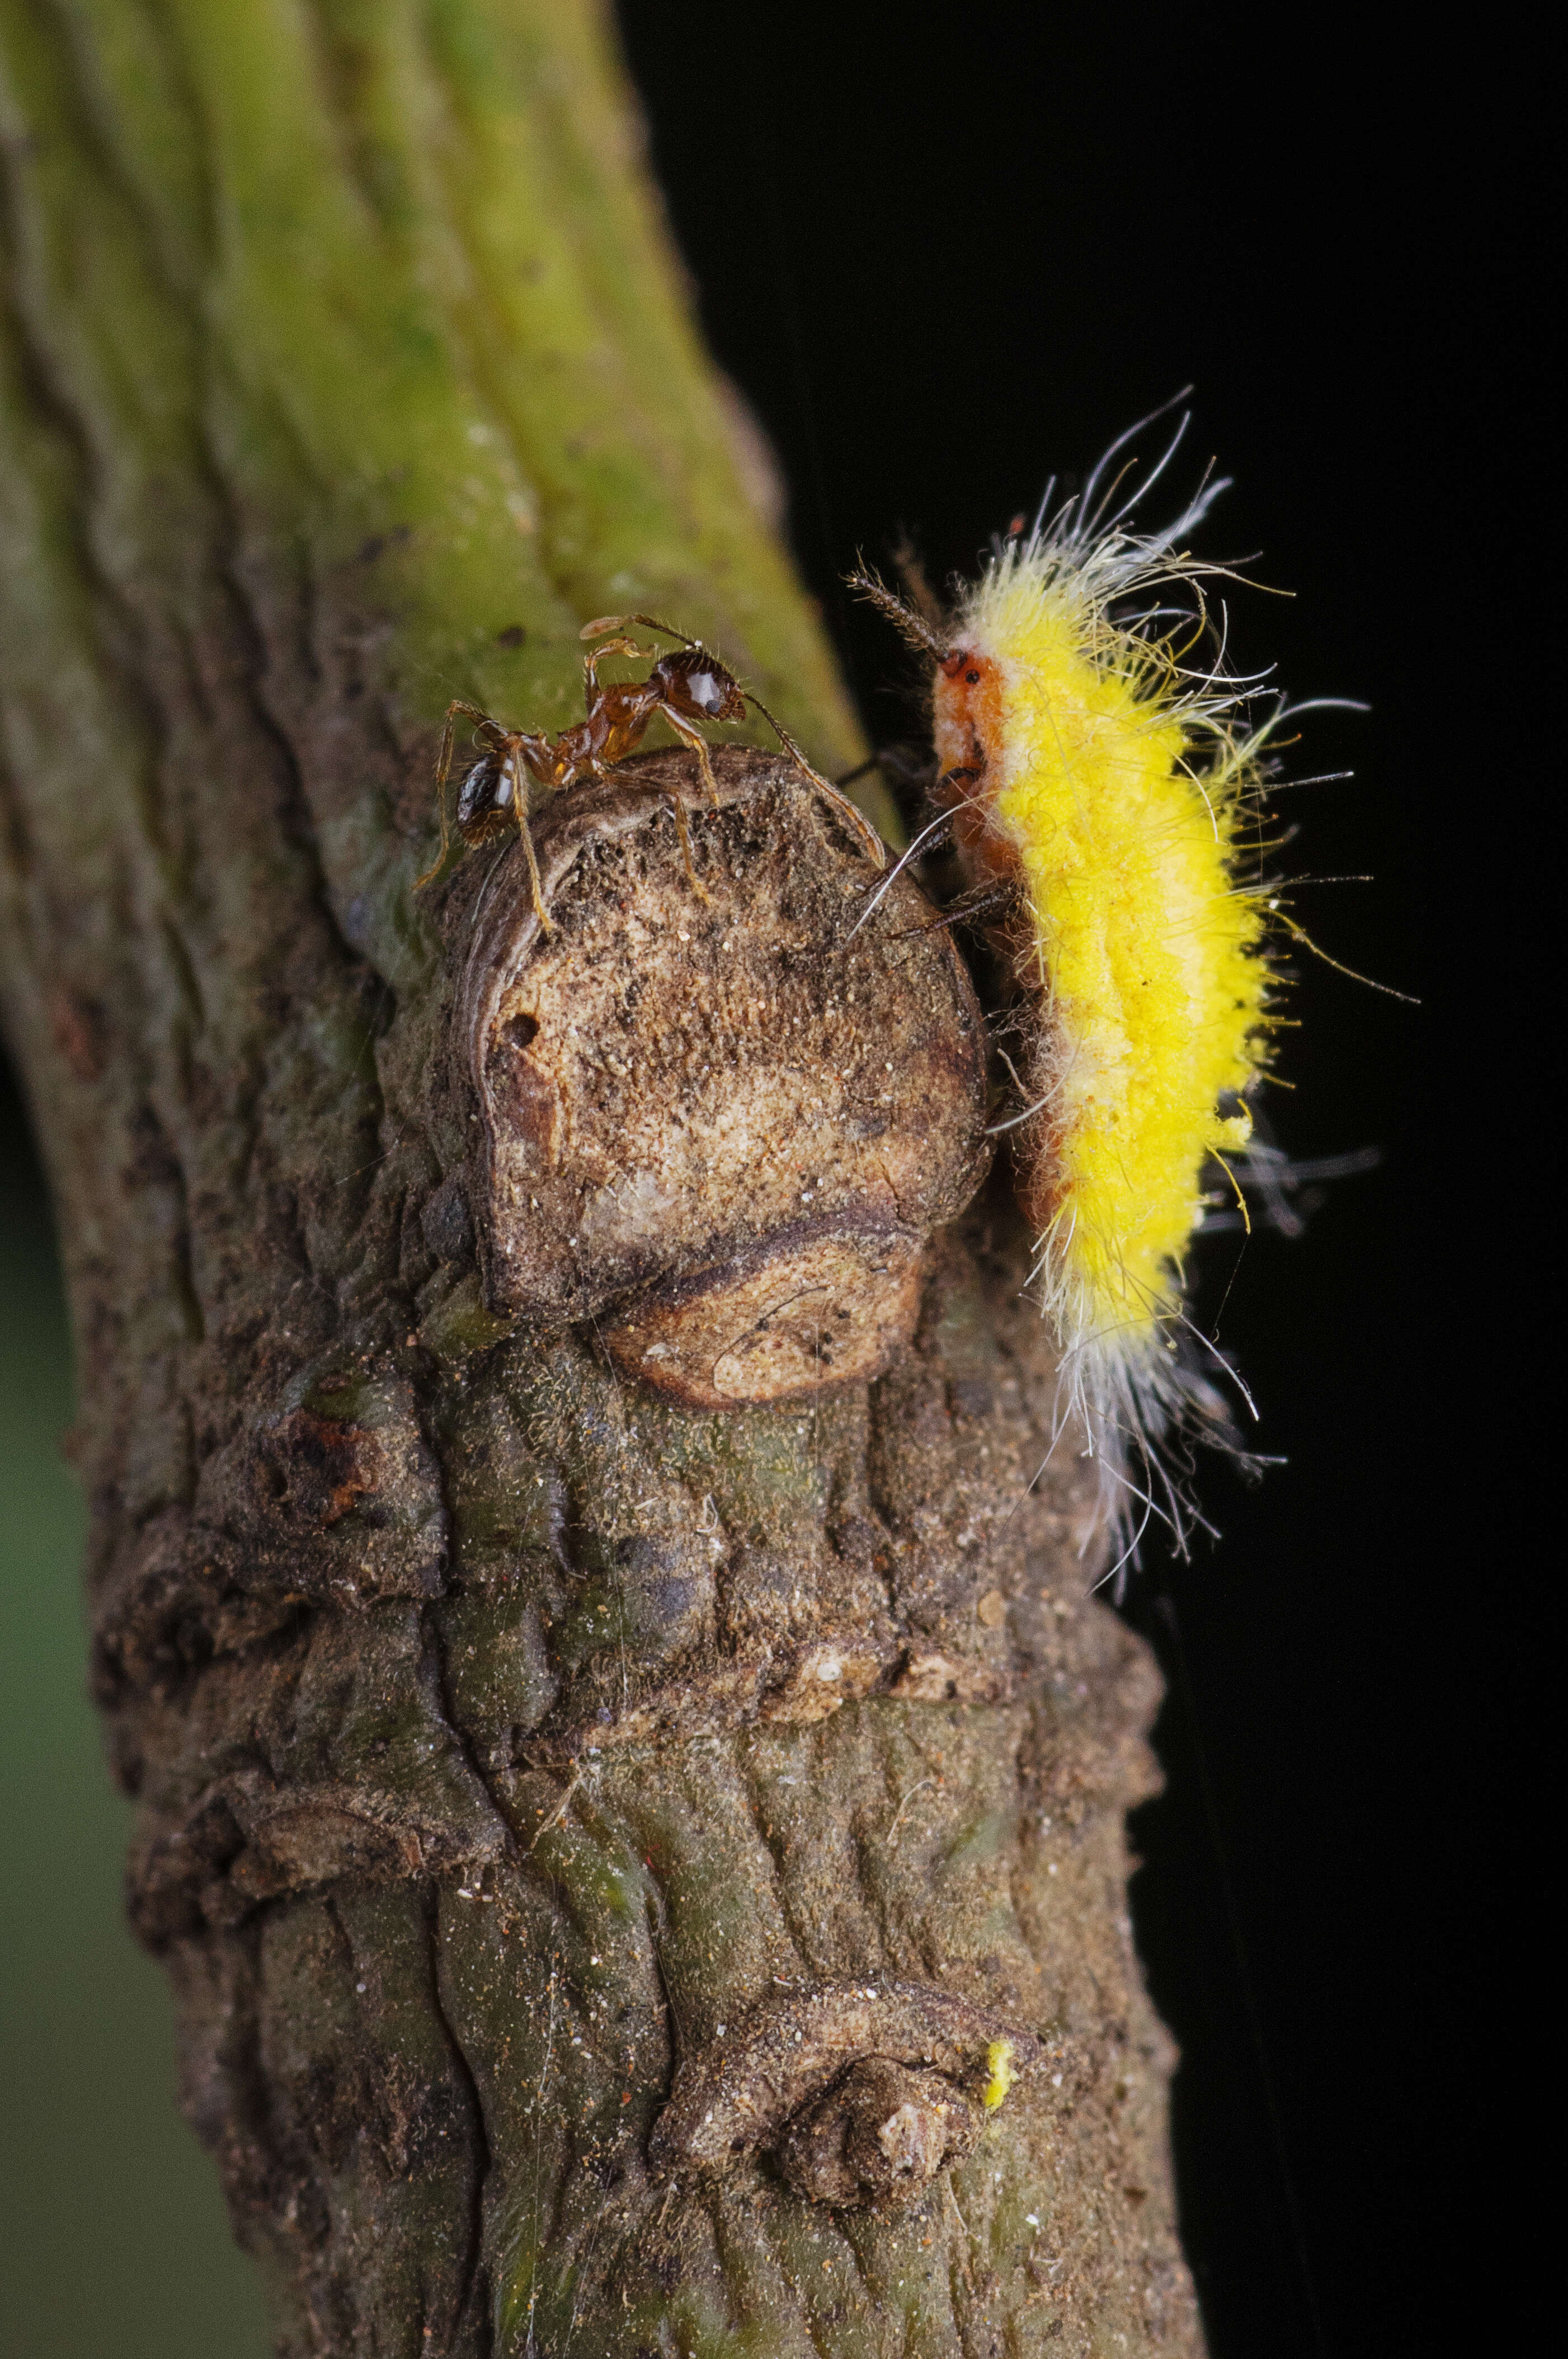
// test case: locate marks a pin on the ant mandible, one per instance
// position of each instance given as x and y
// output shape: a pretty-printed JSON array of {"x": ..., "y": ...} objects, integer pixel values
[{"x": 686, "y": 687}]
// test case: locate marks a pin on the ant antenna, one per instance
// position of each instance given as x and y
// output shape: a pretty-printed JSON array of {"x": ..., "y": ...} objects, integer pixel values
[
  {"x": 597, "y": 629},
  {"x": 841, "y": 803}
]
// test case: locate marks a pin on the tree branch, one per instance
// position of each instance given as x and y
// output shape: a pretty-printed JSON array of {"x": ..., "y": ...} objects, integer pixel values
[{"x": 570, "y": 1587}]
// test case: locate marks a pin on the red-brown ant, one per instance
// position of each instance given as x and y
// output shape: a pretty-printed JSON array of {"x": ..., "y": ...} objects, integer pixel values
[{"x": 685, "y": 688}]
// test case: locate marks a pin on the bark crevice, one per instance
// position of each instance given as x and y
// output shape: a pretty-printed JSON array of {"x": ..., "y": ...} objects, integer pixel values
[{"x": 473, "y": 2312}]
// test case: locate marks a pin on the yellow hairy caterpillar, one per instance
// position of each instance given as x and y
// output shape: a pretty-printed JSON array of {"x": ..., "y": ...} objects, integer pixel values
[{"x": 1099, "y": 787}]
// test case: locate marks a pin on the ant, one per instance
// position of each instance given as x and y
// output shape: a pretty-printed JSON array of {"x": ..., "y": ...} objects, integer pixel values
[{"x": 686, "y": 687}]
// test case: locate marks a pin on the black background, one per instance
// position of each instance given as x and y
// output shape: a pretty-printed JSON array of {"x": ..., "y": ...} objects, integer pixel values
[
  {"x": 946, "y": 262},
  {"x": 947, "y": 258}
]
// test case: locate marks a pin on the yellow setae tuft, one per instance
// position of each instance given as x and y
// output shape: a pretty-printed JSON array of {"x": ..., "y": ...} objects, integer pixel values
[{"x": 1153, "y": 997}]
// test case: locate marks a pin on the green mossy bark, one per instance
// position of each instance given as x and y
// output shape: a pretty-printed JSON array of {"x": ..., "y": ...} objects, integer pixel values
[{"x": 344, "y": 368}]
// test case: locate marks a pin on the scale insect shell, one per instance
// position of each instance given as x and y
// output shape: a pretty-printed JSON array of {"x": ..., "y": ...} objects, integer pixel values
[{"x": 1089, "y": 769}]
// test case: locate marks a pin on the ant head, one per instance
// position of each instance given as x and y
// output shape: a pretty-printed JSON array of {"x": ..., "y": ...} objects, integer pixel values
[{"x": 700, "y": 686}]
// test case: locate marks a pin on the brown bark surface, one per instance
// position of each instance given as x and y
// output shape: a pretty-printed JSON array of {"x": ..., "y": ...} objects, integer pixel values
[{"x": 628, "y": 1764}]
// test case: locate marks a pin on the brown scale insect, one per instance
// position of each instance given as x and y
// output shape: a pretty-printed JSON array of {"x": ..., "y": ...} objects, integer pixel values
[{"x": 685, "y": 688}]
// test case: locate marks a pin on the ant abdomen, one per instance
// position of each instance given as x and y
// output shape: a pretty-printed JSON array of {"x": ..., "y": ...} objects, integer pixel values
[{"x": 484, "y": 801}]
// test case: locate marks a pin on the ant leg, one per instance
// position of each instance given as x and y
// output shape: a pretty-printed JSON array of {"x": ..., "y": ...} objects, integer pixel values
[
  {"x": 698, "y": 744},
  {"x": 692, "y": 878},
  {"x": 597, "y": 770},
  {"x": 520, "y": 812},
  {"x": 969, "y": 908},
  {"x": 443, "y": 772},
  {"x": 841, "y": 803},
  {"x": 590, "y": 665}
]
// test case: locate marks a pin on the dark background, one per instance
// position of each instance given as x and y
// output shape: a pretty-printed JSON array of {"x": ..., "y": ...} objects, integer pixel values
[
  {"x": 944, "y": 265},
  {"x": 947, "y": 257}
]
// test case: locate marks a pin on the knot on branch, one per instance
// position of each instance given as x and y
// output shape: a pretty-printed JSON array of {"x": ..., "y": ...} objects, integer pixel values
[
  {"x": 720, "y": 1117},
  {"x": 879, "y": 2136},
  {"x": 864, "y": 2092}
]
